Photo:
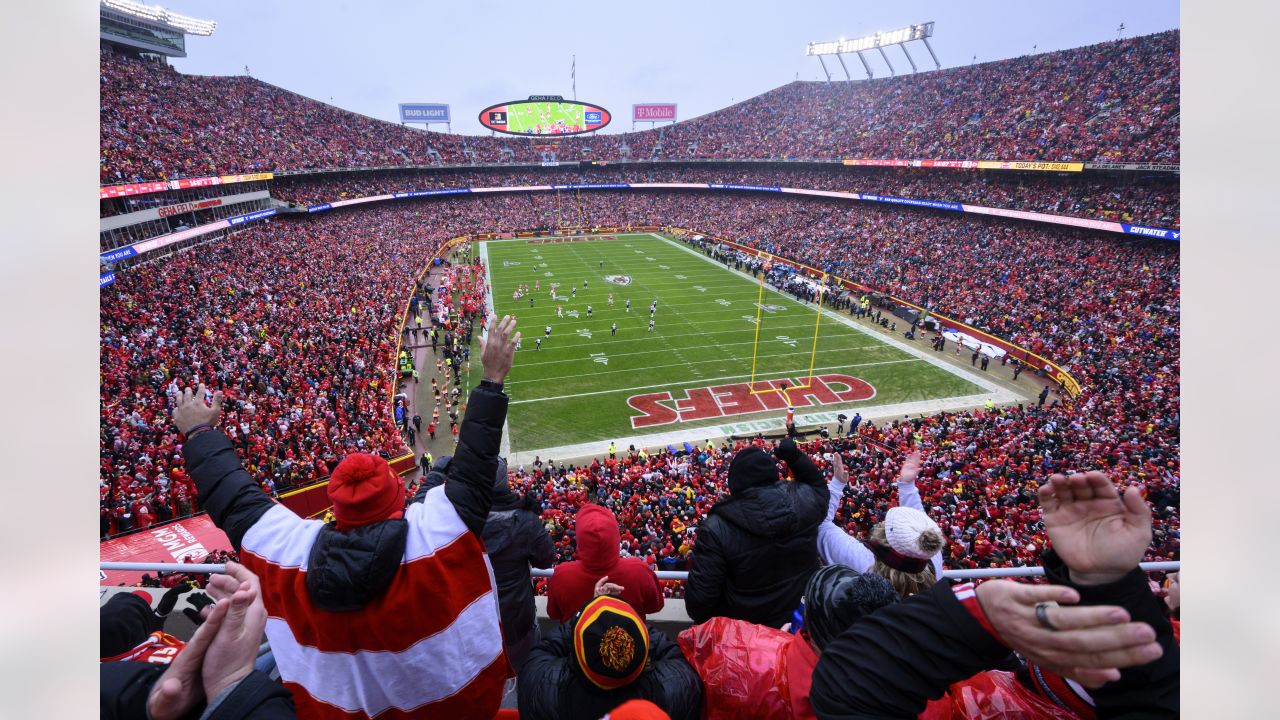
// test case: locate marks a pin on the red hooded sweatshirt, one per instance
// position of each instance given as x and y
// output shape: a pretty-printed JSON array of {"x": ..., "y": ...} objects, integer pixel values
[{"x": 572, "y": 583}]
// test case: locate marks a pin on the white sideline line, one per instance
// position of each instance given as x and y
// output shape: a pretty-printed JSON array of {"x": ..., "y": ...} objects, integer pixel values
[
  {"x": 787, "y": 374},
  {"x": 504, "y": 447},
  {"x": 664, "y": 350}
]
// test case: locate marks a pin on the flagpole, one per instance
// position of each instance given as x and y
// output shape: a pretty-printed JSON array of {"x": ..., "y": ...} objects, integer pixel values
[{"x": 573, "y": 75}]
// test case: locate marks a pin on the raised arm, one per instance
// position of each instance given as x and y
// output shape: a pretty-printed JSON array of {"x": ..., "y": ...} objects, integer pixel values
[
  {"x": 475, "y": 462},
  {"x": 802, "y": 466},
  {"x": 909, "y": 496},
  {"x": 1097, "y": 537},
  {"x": 226, "y": 491},
  {"x": 835, "y": 546},
  {"x": 892, "y": 662}
]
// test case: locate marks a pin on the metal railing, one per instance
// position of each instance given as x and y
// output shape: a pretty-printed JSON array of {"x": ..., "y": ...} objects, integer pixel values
[{"x": 678, "y": 575}]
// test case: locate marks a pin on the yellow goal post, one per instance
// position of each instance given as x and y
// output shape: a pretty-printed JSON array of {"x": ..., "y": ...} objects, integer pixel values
[{"x": 755, "y": 347}]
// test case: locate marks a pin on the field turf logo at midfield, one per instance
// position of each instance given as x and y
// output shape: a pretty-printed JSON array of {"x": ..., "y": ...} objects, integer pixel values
[
  {"x": 661, "y": 408},
  {"x": 618, "y": 279}
]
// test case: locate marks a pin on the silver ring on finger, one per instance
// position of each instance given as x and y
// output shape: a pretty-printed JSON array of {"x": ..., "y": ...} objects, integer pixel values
[{"x": 1042, "y": 614}]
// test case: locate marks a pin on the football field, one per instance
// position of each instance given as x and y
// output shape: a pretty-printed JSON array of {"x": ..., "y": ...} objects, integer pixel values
[
  {"x": 689, "y": 377},
  {"x": 545, "y": 114}
]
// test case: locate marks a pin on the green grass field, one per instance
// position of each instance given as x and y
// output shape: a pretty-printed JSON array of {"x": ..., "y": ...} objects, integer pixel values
[
  {"x": 575, "y": 388},
  {"x": 524, "y": 119}
]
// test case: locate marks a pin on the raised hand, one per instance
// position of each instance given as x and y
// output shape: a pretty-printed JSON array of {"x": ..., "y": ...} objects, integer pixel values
[
  {"x": 1100, "y": 534},
  {"x": 233, "y": 650},
  {"x": 1089, "y": 644},
  {"x": 180, "y": 688},
  {"x": 191, "y": 410},
  {"x": 498, "y": 349},
  {"x": 604, "y": 587},
  {"x": 910, "y": 468},
  {"x": 838, "y": 470}
]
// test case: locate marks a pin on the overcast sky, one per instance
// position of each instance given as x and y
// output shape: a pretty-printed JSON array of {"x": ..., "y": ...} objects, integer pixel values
[{"x": 370, "y": 55}]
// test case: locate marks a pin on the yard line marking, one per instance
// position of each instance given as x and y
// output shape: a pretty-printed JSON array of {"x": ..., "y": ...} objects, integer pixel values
[
  {"x": 662, "y": 350},
  {"x": 576, "y": 376},
  {"x": 783, "y": 373}
]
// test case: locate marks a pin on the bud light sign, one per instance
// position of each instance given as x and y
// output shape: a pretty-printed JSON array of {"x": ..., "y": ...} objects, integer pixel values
[{"x": 424, "y": 113}]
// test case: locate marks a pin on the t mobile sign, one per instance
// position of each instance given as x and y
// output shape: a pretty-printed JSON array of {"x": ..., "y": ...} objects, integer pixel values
[{"x": 653, "y": 112}]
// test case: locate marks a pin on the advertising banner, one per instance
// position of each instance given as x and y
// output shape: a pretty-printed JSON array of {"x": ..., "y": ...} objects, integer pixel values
[
  {"x": 971, "y": 164},
  {"x": 878, "y": 163},
  {"x": 251, "y": 177},
  {"x": 191, "y": 538},
  {"x": 429, "y": 193},
  {"x": 185, "y": 183},
  {"x": 117, "y": 255},
  {"x": 653, "y": 112},
  {"x": 1139, "y": 167},
  {"x": 111, "y": 191},
  {"x": 424, "y": 113},
  {"x": 731, "y": 186},
  {"x": 964, "y": 164},
  {"x": 935, "y": 204},
  {"x": 240, "y": 219},
  {"x": 1152, "y": 232},
  {"x": 1028, "y": 165},
  {"x": 172, "y": 210},
  {"x": 592, "y": 186},
  {"x": 106, "y": 279}
]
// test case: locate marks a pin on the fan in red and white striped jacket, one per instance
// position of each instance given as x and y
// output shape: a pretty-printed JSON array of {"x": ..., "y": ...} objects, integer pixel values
[{"x": 389, "y": 612}]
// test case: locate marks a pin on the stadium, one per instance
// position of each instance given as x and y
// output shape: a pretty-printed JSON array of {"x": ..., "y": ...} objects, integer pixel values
[{"x": 962, "y": 287}]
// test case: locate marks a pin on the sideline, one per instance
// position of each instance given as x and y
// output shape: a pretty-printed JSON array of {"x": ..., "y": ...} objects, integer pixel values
[{"x": 504, "y": 448}]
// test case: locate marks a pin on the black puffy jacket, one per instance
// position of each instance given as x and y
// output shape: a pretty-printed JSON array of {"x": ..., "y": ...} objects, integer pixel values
[
  {"x": 756, "y": 549},
  {"x": 892, "y": 662},
  {"x": 552, "y": 687},
  {"x": 515, "y": 538}
]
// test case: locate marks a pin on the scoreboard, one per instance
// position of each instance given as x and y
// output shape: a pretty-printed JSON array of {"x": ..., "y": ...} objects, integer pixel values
[{"x": 544, "y": 115}]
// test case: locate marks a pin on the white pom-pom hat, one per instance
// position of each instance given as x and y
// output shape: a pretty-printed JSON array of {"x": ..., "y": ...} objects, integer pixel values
[{"x": 903, "y": 527}]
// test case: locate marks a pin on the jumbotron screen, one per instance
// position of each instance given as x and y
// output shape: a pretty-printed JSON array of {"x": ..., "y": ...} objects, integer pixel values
[{"x": 544, "y": 116}]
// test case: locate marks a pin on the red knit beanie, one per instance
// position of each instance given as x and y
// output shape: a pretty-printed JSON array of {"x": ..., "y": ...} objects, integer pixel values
[{"x": 364, "y": 490}]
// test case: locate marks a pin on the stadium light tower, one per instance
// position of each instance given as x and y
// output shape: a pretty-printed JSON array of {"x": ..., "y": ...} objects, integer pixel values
[
  {"x": 149, "y": 29},
  {"x": 877, "y": 41}
]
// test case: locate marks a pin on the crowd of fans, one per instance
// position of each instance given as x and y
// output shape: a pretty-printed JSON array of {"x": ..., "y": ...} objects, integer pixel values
[
  {"x": 268, "y": 320},
  {"x": 1115, "y": 101},
  {"x": 1115, "y": 197},
  {"x": 303, "y": 353},
  {"x": 778, "y": 633}
]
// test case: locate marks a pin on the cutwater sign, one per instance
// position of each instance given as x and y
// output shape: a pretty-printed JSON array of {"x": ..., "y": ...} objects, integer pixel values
[
  {"x": 424, "y": 113},
  {"x": 1152, "y": 232}
]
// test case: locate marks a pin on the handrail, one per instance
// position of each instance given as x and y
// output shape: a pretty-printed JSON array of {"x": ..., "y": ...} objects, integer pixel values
[{"x": 678, "y": 575}]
